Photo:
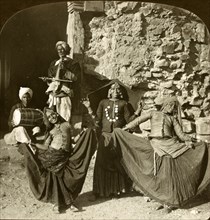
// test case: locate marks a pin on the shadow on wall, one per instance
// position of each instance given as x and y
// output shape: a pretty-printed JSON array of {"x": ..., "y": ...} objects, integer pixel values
[{"x": 86, "y": 17}]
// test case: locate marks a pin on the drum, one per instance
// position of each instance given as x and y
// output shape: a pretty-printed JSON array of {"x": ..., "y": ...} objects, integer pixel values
[{"x": 27, "y": 117}]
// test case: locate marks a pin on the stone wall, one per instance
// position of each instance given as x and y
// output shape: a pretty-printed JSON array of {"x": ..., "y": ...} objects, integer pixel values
[{"x": 156, "y": 48}]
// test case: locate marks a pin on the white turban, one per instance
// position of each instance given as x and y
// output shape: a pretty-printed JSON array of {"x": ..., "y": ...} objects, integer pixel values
[
  {"x": 63, "y": 44},
  {"x": 23, "y": 91}
]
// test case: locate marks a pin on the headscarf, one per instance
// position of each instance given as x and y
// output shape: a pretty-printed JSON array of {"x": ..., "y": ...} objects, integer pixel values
[
  {"x": 64, "y": 45},
  {"x": 158, "y": 100},
  {"x": 48, "y": 111},
  {"x": 115, "y": 85},
  {"x": 168, "y": 100},
  {"x": 23, "y": 91}
]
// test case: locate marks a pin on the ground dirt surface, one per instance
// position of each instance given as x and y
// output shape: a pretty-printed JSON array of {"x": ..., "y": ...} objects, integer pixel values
[{"x": 18, "y": 202}]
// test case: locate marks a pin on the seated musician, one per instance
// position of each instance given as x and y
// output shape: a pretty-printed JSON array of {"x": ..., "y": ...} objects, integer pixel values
[{"x": 21, "y": 134}]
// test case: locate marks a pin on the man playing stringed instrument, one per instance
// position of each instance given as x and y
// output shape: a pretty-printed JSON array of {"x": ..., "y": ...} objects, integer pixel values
[{"x": 61, "y": 75}]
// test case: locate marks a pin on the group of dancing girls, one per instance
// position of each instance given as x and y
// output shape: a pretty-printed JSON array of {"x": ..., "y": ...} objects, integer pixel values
[{"x": 169, "y": 166}]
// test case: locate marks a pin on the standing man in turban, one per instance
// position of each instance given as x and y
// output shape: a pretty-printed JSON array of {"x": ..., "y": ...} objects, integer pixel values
[{"x": 63, "y": 72}]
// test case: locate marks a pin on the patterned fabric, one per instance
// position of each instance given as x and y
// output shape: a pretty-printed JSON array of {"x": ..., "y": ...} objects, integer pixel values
[{"x": 53, "y": 160}]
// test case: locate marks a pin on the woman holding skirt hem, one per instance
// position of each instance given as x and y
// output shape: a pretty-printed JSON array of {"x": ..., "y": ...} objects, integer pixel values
[
  {"x": 168, "y": 167},
  {"x": 57, "y": 173}
]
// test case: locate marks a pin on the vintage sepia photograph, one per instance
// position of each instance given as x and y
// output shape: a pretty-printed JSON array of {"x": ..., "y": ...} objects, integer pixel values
[{"x": 105, "y": 110}]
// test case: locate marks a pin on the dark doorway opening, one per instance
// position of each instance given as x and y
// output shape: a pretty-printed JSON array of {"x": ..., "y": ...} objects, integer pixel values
[{"x": 27, "y": 47}]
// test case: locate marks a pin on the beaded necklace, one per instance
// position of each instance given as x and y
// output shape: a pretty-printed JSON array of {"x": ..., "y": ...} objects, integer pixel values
[{"x": 114, "y": 112}]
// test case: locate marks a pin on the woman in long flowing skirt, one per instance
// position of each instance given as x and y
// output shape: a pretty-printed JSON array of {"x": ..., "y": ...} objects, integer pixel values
[
  {"x": 169, "y": 168},
  {"x": 57, "y": 174},
  {"x": 170, "y": 181}
]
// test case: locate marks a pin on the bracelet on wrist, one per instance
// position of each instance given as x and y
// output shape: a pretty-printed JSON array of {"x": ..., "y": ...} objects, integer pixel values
[{"x": 90, "y": 111}]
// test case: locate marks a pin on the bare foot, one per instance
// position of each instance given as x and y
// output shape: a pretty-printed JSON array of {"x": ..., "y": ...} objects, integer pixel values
[
  {"x": 56, "y": 209},
  {"x": 159, "y": 207},
  {"x": 147, "y": 199},
  {"x": 75, "y": 208},
  {"x": 167, "y": 209}
]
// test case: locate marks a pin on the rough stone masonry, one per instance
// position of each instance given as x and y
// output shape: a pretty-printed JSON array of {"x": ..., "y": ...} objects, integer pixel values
[{"x": 160, "y": 46}]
